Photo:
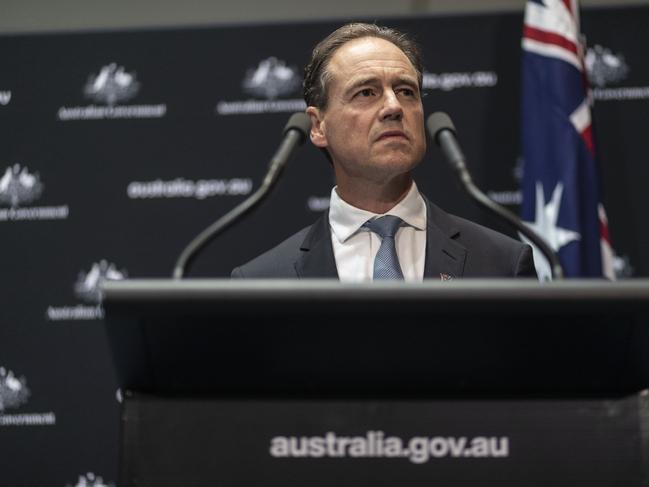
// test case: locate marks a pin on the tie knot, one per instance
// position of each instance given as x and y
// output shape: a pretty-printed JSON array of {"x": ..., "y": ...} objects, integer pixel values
[{"x": 385, "y": 226}]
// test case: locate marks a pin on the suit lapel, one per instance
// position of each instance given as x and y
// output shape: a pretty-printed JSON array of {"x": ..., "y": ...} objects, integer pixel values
[
  {"x": 317, "y": 254},
  {"x": 445, "y": 257}
]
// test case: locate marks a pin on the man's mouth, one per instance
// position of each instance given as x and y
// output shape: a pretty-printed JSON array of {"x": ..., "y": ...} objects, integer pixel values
[{"x": 393, "y": 134}]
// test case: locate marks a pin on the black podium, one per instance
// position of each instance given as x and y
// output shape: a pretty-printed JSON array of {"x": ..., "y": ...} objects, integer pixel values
[{"x": 441, "y": 383}]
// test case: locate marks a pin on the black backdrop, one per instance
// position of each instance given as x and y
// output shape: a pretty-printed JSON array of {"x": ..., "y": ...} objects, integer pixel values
[{"x": 131, "y": 142}]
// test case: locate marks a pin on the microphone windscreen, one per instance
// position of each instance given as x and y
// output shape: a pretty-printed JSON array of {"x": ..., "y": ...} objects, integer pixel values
[
  {"x": 437, "y": 122},
  {"x": 301, "y": 122}
]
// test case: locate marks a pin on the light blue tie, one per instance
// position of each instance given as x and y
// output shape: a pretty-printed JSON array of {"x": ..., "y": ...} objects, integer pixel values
[{"x": 386, "y": 262}]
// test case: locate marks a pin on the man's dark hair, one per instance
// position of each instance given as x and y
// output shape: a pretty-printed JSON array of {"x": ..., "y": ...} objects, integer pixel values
[{"x": 316, "y": 74}]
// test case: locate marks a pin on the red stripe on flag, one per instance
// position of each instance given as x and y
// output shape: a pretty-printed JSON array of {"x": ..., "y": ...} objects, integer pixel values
[
  {"x": 587, "y": 136},
  {"x": 603, "y": 232},
  {"x": 549, "y": 38},
  {"x": 568, "y": 5}
]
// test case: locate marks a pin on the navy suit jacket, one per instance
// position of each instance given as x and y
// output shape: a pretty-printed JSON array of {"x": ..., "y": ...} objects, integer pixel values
[{"x": 455, "y": 248}]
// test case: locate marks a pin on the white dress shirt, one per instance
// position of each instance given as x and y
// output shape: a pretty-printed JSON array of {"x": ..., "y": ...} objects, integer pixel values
[{"x": 356, "y": 246}]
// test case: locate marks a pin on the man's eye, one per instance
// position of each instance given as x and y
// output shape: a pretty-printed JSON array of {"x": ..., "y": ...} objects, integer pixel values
[
  {"x": 407, "y": 92},
  {"x": 365, "y": 93}
]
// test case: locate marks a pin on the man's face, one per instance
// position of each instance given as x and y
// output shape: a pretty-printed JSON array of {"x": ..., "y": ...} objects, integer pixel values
[{"x": 373, "y": 125}]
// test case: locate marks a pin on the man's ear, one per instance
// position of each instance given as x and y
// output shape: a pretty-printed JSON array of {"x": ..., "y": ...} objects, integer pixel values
[{"x": 317, "y": 133}]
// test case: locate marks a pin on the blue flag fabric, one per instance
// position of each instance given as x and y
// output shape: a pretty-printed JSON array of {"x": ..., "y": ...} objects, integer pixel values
[{"x": 561, "y": 199}]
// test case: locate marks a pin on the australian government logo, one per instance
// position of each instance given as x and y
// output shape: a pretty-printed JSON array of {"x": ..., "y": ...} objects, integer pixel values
[
  {"x": 19, "y": 188},
  {"x": 273, "y": 87},
  {"x": 607, "y": 69},
  {"x": 5, "y": 97},
  {"x": 14, "y": 395},
  {"x": 88, "y": 291},
  {"x": 109, "y": 90},
  {"x": 90, "y": 479}
]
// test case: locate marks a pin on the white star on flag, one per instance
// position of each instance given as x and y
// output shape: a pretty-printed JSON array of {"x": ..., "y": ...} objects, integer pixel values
[{"x": 545, "y": 225}]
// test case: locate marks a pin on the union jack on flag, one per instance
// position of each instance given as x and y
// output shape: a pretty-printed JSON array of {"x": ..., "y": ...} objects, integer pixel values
[{"x": 561, "y": 189}]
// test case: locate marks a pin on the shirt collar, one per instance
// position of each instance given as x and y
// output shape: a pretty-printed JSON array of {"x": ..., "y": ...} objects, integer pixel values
[{"x": 346, "y": 220}]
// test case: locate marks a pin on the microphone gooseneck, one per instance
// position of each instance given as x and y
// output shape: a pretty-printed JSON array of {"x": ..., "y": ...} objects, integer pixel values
[
  {"x": 442, "y": 131},
  {"x": 294, "y": 135}
]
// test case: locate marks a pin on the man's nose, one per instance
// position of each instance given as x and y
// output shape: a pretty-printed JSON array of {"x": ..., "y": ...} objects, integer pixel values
[{"x": 392, "y": 109}]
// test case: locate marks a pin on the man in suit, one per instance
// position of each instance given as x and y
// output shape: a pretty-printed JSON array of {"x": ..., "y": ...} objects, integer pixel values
[{"x": 363, "y": 91}]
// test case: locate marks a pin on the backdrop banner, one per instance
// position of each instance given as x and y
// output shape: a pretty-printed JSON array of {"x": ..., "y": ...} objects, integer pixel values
[{"x": 119, "y": 147}]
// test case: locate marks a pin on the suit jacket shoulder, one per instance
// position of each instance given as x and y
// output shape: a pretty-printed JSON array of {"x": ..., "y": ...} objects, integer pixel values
[
  {"x": 306, "y": 254},
  {"x": 275, "y": 263}
]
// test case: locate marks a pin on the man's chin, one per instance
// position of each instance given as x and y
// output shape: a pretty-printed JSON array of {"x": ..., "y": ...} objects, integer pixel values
[{"x": 396, "y": 162}]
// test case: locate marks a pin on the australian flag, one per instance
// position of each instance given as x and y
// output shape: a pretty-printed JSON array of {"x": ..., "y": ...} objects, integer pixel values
[{"x": 561, "y": 189}]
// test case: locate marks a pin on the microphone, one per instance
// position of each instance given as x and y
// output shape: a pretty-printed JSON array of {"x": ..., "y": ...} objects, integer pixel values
[
  {"x": 442, "y": 131},
  {"x": 294, "y": 135}
]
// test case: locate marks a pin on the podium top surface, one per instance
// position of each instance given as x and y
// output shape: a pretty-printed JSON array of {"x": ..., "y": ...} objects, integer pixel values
[
  {"x": 516, "y": 293},
  {"x": 154, "y": 289}
]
